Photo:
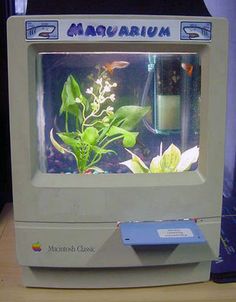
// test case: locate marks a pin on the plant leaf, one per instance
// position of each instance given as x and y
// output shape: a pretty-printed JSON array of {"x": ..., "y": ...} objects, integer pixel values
[
  {"x": 59, "y": 147},
  {"x": 136, "y": 165},
  {"x": 169, "y": 160},
  {"x": 68, "y": 139},
  {"x": 74, "y": 143},
  {"x": 127, "y": 117},
  {"x": 90, "y": 135},
  {"x": 70, "y": 92},
  {"x": 129, "y": 139},
  {"x": 155, "y": 166},
  {"x": 103, "y": 133},
  {"x": 188, "y": 157}
]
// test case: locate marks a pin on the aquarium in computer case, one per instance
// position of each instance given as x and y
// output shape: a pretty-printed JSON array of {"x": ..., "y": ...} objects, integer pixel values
[{"x": 117, "y": 132}]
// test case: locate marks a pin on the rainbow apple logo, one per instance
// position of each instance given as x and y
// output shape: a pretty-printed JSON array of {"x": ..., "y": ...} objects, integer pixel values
[{"x": 36, "y": 247}]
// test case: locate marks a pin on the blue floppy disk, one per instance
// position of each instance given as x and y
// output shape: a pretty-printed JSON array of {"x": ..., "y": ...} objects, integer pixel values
[{"x": 161, "y": 232}]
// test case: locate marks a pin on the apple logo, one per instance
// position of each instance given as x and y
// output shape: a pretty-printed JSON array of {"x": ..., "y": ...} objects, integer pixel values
[{"x": 36, "y": 246}]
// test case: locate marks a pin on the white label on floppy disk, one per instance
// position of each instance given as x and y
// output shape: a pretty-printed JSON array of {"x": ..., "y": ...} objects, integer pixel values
[{"x": 175, "y": 233}]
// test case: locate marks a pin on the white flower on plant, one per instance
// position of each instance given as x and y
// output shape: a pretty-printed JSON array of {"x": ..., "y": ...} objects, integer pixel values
[
  {"x": 110, "y": 84},
  {"x": 94, "y": 106},
  {"x": 101, "y": 99},
  {"x": 112, "y": 97},
  {"x": 99, "y": 81},
  {"x": 77, "y": 100},
  {"x": 110, "y": 110},
  {"x": 107, "y": 89},
  {"x": 89, "y": 90},
  {"x": 100, "y": 95}
]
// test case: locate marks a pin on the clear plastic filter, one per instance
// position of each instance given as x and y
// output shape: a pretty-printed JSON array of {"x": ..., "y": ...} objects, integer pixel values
[{"x": 174, "y": 92}]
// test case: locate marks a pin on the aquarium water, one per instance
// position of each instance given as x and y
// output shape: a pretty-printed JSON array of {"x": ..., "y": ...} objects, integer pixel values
[{"x": 118, "y": 112}]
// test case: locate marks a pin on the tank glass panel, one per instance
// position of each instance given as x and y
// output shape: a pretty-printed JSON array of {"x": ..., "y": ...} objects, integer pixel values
[{"x": 111, "y": 112}]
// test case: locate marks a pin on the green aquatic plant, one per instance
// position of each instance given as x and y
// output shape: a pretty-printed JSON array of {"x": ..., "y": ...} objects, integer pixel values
[
  {"x": 170, "y": 161},
  {"x": 95, "y": 123}
]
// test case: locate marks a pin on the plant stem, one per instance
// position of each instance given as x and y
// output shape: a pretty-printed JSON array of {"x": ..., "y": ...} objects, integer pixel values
[
  {"x": 97, "y": 158},
  {"x": 103, "y": 137},
  {"x": 90, "y": 125},
  {"x": 112, "y": 140},
  {"x": 77, "y": 123},
  {"x": 66, "y": 122},
  {"x": 84, "y": 118},
  {"x": 94, "y": 161}
]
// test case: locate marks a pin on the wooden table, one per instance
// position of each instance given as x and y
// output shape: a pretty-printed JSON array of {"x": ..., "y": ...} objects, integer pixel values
[{"x": 11, "y": 289}]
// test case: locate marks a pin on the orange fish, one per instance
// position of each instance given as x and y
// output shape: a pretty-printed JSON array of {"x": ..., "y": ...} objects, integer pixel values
[
  {"x": 115, "y": 65},
  {"x": 188, "y": 68}
]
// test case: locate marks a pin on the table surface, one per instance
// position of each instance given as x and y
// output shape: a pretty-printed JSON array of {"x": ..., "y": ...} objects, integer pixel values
[{"x": 11, "y": 289}]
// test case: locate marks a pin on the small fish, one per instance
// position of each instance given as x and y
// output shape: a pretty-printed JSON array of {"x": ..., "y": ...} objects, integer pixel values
[
  {"x": 115, "y": 65},
  {"x": 188, "y": 68}
]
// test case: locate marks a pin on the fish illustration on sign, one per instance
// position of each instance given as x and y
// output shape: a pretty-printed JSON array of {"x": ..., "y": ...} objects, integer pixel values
[
  {"x": 40, "y": 32},
  {"x": 188, "y": 68},
  {"x": 197, "y": 32},
  {"x": 109, "y": 67}
]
